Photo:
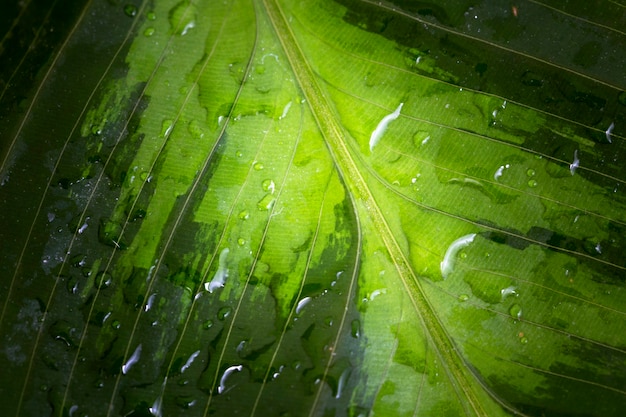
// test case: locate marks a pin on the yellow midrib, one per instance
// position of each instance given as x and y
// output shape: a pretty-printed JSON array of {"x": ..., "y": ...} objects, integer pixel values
[{"x": 334, "y": 137}]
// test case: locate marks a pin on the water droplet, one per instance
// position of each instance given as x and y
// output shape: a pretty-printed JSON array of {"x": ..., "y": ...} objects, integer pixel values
[
  {"x": 241, "y": 241},
  {"x": 530, "y": 172},
  {"x": 239, "y": 154},
  {"x": 268, "y": 185},
  {"x": 258, "y": 166},
  {"x": 208, "y": 324},
  {"x": 185, "y": 401},
  {"x": 266, "y": 202},
  {"x": 574, "y": 165},
  {"x": 523, "y": 340},
  {"x": 609, "y": 132},
  {"x": 447, "y": 264},
  {"x": 103, "y": 280},
  {"x": 116, "y": 324},
  {"x": 511, "y": 290},
  {"x": 224, "y": 312},
  {"x": 134, "y": 358},
  {"x": 356, "y": 329},
  {"x": 166, "y": 127},
  {"x": 532, "y": 183},
  {"x": 221, "y": 274},
  {"x": 500, "y": 171},
  {"x": 151, "y": 16},
  {"x": 244, "y": 215},
  {"x": 195, "y": 129},
  {"x": 302, "y": 303},
  {"x": 148, "y": 32},
  {"x": 463, "y": 297},
  {"x": 187, "y": 364},
  {"x": 183, "y": 17},
  {"x": 515, "y": 311},
  {"x": 130, "y": 10},
  {"x": 225, "y": 375}
]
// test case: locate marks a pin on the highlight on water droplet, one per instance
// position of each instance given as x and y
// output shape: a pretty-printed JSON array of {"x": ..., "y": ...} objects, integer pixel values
[
  {"x": 134, "y": 358},
  {"x": 609, "y": 132},
  {"x": 382, "y": 126},
  {"x": 574, "y": 165},
  {"x": 302, "y": 303},
  {"x": 166, "y": 127},
  {"x": 222, "y": 387},
  {"x": 187, "y": 364},
  {"x": 511, "y": 290},
  {"x": 500, "y": 171},
  {"x": 447, "y": 264}
]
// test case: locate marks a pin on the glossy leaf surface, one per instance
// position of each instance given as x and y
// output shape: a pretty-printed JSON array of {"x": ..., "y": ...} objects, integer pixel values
[{"x": 313, "y": 208}]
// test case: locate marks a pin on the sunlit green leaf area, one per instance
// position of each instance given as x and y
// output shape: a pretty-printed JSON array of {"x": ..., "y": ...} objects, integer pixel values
[{"x": 312, "y": 208}]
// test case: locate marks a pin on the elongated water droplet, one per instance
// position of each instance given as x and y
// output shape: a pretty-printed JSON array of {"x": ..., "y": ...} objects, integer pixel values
[
  {"x": 447, "y": 264},
  {"x": 574, "y": 165},
  {"x": 382, "y": 126},
  {"x": 134, "y": 358},
  {"x": 222, "y": 387},
  {"x": 220, "y": 275},
  {"x": 302, "y": 303},
  {"x": 190, "y": 360}
]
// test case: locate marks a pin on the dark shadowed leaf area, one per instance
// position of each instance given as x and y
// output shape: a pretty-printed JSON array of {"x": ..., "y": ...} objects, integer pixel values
[{"x": 312, "y": 208}]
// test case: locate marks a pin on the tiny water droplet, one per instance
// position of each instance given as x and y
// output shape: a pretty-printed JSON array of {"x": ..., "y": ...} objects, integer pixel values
[
  {"x": 151, "y": 16},
  {"x": 241, "y": 241},
  {"x": 224, "y": 312},
  {"x": 531, "y": 172},
  {"x": 130, "y": 10},
  {"x": 523, "y": 340},
  {"x": 258, "y": 166},
  {"x": 116, "y": 324},
  {"x": 244, "y": 215},
  {"x": 532, "y": 183},
  {"x": 515, "y": 311},
  {"x": 463, "y": 297},
  {"x": 208, "y": 324},
  {"x": 148, "y": 32}
]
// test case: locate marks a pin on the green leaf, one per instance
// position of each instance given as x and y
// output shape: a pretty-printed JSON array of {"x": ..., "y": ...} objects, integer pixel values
[{"x": 318, "y": 208}]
